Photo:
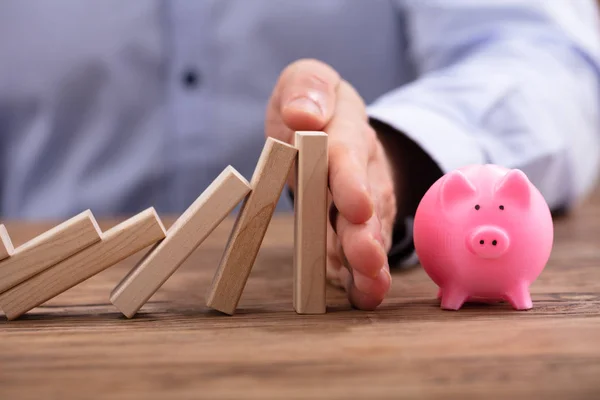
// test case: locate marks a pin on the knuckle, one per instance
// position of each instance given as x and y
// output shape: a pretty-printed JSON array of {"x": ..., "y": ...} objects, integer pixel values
[
  {"x": 370, "y": 135},
  {"x": 337, "y": 151},
  {"x": 348, "y": 91},
  {"x": 340, "y": 157},
  {"x": 389, "y": 200},
  {"x": 387, "y": 194},
  {"x": 388, "y": 213}
]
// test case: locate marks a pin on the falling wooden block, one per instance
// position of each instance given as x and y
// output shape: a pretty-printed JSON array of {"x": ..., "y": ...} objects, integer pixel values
[
  {"x": 116, "y": 244},
  {"x": 251, "y": 225},
  {"x": 49, "y": 248},
  {"x": 310, "y": 223},
  {"x": 183, "y": 237},
  {"x": 6, "y": 247}
]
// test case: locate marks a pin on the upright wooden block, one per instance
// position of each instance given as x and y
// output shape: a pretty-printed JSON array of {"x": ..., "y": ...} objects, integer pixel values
[
  {"x": 310, "y": 223},
  {"x": 6, "y": 247},
  {"x": 251, "y": 225},
  {"x": 49, "y": 248},
  {"x": 183, "y": 237},
  {"x": 117, "y": 244}
]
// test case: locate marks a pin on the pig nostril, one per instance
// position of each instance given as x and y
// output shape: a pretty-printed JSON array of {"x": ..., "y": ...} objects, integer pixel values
[
  {"x": 494, "y": 242},
  {"x": 481, "y": 242}
]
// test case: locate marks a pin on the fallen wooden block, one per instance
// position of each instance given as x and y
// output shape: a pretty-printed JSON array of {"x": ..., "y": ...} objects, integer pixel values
[
  {"x": 117, "y": 244},
  {"x": 183, "y": 237},
  {"x": 6, "y": 247},
  {"x": 310, "y": 223},
  {"x": 49, "y": 248},
  {"x": 251, "y": 225}
]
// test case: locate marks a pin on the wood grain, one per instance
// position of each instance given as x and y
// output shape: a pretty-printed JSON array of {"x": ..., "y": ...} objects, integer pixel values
[
  {"x": 6, "y": 247},
  {"x": 183, "y": 237},
  {"x": 77, "y": 345},
  {"x": 269, "y": 177},
  {"x": 47, "y": 249},
  {"x": 118, "y": 243},
  {"x": 310, "y": 223}
]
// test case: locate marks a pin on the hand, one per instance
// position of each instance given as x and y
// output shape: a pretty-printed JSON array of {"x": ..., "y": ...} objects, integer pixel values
[{"x": 311, "y": 96}]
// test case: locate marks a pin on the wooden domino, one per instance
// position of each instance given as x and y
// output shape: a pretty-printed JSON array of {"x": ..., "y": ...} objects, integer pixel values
[
  {"x": 251, "y": 225},
  {"x": 183, "y": 237},
  {"x": 116, "y": 244},
  {"x": 310, "y": 223},
  {"x": 47, "y": 249},
  {"x": 6, "y": 247}
]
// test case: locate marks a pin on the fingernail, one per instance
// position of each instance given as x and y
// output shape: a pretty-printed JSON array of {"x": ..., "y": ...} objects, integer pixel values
[
  {"x": 387, "y": 275},
  {"x": 382, "y": 252},
  {"x": 378, "y": 240},
  {"x": 362, "y": 282},
  {"x": 387, "y": 278},
  {"x": 365, "y": 188},
  {"x": 371, "y": 202},
  {"x": 306, "y": 104}
]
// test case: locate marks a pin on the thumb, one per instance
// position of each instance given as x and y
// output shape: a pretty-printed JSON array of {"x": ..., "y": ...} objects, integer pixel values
[{"x": 303, "y": 99}]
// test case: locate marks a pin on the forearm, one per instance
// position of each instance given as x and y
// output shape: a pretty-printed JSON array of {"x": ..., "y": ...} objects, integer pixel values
[{"x": 526, "y": 98}]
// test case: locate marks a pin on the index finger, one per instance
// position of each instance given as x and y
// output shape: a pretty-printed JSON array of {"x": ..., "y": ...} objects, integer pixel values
[{"x": 351, "y": 145}]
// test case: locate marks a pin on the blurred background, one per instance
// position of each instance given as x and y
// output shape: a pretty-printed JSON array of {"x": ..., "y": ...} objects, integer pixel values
[{"x": 118, "y": 106}]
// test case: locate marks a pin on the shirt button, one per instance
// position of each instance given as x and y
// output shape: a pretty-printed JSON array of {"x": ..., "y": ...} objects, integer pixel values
[{"x": 190, "y": 78}]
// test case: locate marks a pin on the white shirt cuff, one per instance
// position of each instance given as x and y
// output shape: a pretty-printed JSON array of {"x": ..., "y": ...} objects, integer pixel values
[{"x": 449, "y": 145}]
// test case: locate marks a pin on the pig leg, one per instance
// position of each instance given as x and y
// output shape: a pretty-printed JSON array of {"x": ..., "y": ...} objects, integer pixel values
[
  {"x": 453, "y": 297},
  {"x": 520, "y": 298},
  {"x": 439, "y": 295}
]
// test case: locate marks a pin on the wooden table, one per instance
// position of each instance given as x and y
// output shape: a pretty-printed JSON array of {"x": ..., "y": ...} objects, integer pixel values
[{"x": 79, "y": 346}]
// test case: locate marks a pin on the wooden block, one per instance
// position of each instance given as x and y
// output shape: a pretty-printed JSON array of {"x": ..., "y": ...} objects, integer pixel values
[
  {"x": 49, "y": 248},
  {"x": 117, "y": 244},
  {"x": 251, "y": 225},
  {"x": 183, "y": 237},
  {"x": 310, "y": 223},
  {"x": 6, "y": 247}
]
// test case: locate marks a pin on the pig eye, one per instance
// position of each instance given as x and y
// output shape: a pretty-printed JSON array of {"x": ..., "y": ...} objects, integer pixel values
[
  {"x": 477, "y": 206},
  {"x": 501, "y": 207}
]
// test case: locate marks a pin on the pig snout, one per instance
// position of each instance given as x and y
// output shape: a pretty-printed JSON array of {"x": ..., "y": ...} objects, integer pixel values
[{"x": 488, "y": 242}]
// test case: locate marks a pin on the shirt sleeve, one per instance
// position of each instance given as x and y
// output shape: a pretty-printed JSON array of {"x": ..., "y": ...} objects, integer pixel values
[{"x": 513, "y": 83}]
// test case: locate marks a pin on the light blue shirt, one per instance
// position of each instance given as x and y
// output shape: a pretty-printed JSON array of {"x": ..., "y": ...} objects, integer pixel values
[{"x": 118, "y": 105}]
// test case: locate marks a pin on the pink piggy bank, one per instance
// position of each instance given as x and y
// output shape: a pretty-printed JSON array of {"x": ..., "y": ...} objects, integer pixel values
[{"x": 483, "y": 233}]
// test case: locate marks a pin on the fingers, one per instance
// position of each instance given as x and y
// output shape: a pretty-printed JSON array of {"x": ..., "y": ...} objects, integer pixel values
[
  {"x": 303, "y": 99},
  {"x": 359, "y": 184},
  {"x": 351, "y": 145},
  {"x": 348, "y": 182},
  {"x": 358, "y": 299},
  {"x": 311, "y": 96},
  {"x": 365, "y": 302},
  {"x": 363, "y": 247},
  {"x": 334, "y": 263},
  {"x": 358, "y": 262},
  {"x": 383, "y": 192}
]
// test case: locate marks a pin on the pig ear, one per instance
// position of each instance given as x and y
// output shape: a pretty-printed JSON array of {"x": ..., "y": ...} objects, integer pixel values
[
  {"x": 456, "y": 189},
  {"x": 515, "y": 187}
]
